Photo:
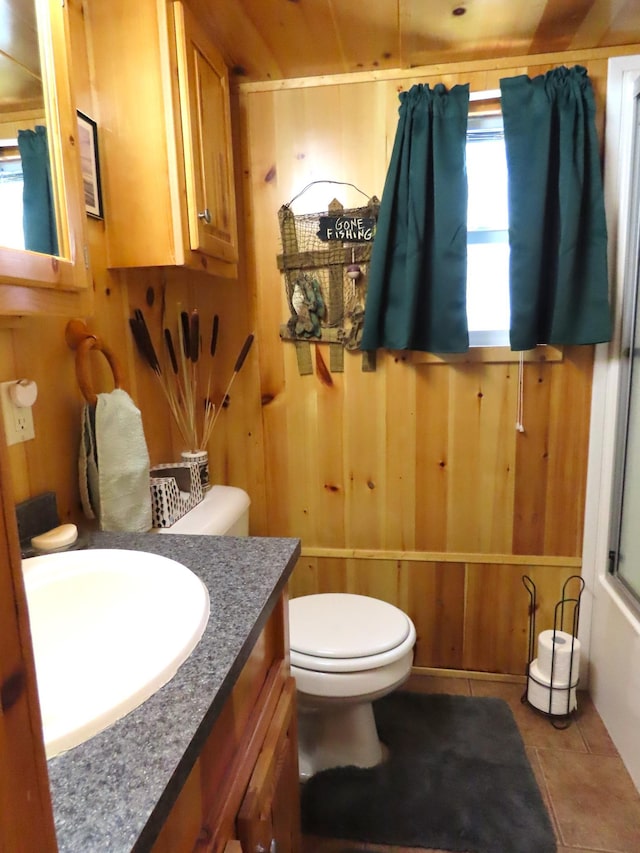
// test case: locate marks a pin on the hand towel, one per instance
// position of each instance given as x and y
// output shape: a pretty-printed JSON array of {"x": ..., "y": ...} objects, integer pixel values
[
  {"x": 88, "y": 465},
  {"x": 120, "y": 494}
]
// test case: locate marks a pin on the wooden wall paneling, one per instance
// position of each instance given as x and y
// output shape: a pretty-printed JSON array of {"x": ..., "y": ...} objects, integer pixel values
[
  {"x": 532, "y": 462},
  {"x": 365, "y": 452},
  {"x": 569, "y": 448},
  {"x": 399, "y": 522},
  {"x": 364, "y": 116},
  {"x": 433, "y": 596},
  {"x": 482, "y": 418},
  {"x": 432, "y": 457},
  {"x": 496, "y": 613},
  {"x": 145, "y": 389},
  {"x": 237, "y": 445},
  {"x": 81, "y": 73},
  {"x": 330, "y": 449},
  {"x": 431, "y": 593},
  {"x": 498, "y": 449},
  {"x": 42, "y": 354},
  {"x": 235, "y": 448},
  {"x": 262, "y": 199},
  {"x": 303, "y": 470},
  {"x": 375, "y": 578},
  {"x": 17, "y": 459},
  {"x": 319, "y": 574}
]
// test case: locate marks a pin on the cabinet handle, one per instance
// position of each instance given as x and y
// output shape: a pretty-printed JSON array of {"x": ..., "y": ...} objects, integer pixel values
[
  {"x": 273, "y": 847},
  {"x": 206, "y": 215}
]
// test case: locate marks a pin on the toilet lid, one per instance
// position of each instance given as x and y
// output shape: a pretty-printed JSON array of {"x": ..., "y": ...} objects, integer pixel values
[{"x": 341, "y": 625}]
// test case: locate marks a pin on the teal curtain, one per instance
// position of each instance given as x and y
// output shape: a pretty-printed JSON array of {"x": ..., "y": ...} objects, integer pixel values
[
  {"x": 557, "y": 228},
  {"x": 416, "y": 296},
  {"x": 39, "y": 219}
]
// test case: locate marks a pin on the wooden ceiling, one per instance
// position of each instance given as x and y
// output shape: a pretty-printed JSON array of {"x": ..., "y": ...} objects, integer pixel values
[{"x": 278, "y": 39}]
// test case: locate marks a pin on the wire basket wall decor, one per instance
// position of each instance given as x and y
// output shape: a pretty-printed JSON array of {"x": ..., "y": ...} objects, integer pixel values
[{"x": 325, "y": 261}]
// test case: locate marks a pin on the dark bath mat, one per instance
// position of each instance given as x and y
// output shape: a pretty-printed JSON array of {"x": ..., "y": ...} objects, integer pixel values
[{"x": 457, "y": 778}]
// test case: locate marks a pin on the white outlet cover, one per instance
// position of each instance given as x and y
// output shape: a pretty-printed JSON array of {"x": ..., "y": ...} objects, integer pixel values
[{"x": 18, "y": 421}]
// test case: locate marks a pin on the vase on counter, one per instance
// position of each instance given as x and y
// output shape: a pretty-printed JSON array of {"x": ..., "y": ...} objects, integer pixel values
[{"x": 201, "y": 458}]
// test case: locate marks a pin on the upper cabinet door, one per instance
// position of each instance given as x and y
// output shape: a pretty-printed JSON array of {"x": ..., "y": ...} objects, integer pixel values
[
  {"x": 206, "y": 126},
  {"x": 43, "y": 265},
  {"x": 163, "y": 96}
]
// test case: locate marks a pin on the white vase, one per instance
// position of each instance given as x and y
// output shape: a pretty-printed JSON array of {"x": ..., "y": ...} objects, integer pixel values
[{"x": 201, "y": 457}]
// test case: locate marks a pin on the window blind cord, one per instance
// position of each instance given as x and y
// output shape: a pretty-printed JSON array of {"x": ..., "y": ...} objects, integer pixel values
[{"x": 520, "y": 413}]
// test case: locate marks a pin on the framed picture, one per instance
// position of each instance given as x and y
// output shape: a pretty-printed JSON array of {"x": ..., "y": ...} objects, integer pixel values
[{"x": 90, "y": 165}]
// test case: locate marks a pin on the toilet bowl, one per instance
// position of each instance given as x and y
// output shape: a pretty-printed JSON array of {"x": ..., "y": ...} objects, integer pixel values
[{"x": 346, "y": 651}]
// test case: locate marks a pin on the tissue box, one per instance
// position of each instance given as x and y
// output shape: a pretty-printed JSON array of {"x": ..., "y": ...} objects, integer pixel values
[{"x": 175, "y": 489}]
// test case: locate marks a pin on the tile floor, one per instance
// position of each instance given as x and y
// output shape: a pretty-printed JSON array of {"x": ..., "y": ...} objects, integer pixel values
[{"x": 593, "y": 804}]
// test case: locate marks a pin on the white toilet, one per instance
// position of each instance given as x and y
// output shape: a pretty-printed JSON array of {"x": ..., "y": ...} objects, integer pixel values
[
  {"x": 224, "y": 511},
  {"x": 346, "y": 651}
]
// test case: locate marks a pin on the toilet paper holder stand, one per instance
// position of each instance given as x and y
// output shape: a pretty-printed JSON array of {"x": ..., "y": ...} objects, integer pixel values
[{"x": 566, "y": 617}]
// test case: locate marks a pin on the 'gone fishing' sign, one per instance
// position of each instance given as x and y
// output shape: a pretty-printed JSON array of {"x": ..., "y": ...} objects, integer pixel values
[{"x": 346, "y": 229}]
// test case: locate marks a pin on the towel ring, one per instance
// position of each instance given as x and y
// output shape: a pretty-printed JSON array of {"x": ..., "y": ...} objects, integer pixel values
[{"x": 80, "y": 339}]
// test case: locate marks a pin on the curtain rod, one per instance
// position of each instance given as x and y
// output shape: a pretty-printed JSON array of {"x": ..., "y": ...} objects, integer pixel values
[{"x": 487, "y": 95}]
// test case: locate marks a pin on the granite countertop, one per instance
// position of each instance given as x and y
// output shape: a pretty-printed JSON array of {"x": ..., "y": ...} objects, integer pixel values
[{"x": 114, "y": 792}]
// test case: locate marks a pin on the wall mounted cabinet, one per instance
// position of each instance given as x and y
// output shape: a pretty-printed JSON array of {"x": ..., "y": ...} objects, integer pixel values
[
  {"x": 163, "y": 96},
  {"x": 33, "y": 281}
]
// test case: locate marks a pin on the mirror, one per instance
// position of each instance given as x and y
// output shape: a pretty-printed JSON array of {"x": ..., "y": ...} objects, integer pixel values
[
  {"x": 27, "y": 207},
  {"x": 38, "y": 115}
]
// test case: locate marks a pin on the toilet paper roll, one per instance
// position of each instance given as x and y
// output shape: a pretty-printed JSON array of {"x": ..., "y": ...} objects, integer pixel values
[
  {"x": 551, "y": 700},
  {"x": 557, "y": 646}
]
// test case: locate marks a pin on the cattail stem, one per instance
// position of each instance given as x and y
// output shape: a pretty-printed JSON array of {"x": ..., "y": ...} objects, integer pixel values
[{"x": 180, "y": 383}]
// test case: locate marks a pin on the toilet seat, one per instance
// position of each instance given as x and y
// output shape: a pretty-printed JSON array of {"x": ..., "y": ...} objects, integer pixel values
[{"x": 342, "y": 632}]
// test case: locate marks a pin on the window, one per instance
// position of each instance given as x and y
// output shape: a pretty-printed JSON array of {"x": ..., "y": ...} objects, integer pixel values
[{"x": 487, "y": 233}]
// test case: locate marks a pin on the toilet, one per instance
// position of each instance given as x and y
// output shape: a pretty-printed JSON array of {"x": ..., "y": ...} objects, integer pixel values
[
  {"x": 346, "y": 651},
  {"x": 224, "y": 511}
]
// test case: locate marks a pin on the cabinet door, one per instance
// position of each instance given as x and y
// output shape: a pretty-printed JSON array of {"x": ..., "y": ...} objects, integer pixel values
[
  {"x": 206, "y": 129},
  {"x": 269, "y": 818}
]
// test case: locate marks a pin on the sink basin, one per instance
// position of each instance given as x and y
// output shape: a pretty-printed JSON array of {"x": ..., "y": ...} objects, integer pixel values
[{"x": 109, "y": 628}]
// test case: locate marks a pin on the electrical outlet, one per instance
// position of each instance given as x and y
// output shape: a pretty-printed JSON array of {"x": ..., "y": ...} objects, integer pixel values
[{"x": 18, "y": 420}]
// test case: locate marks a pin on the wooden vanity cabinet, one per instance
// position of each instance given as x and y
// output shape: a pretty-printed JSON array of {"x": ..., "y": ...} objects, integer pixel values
[
  {"x": 243, "y": 791},
  {"x": 163, "y": 94},
  {"x": 269, "y": 817}
]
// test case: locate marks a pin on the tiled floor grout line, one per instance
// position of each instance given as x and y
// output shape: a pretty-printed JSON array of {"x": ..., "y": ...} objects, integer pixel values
[{"x": 549, "y": 799}]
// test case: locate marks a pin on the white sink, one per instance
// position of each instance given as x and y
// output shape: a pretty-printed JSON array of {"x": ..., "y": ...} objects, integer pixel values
[{"x": 109, "y": 628}]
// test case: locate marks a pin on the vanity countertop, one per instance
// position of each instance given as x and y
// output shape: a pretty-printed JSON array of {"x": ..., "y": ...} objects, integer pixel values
[{"x": 114, "y": 792}]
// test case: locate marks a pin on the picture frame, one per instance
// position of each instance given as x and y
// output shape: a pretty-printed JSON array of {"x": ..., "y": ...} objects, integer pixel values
[{"x": 90, "y": 165}]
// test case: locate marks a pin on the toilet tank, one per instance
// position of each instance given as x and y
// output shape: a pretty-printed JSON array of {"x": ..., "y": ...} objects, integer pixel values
[{"x": 224, "y": 511}]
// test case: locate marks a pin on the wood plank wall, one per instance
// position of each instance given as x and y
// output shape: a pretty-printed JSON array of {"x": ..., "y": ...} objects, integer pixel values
[
  {"x": 409, "y": 483},
  {"x": 404, "y": 483}
]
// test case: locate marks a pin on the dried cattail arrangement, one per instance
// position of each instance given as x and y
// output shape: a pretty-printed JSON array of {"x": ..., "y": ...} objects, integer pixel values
[{"x": 179, "y": 378}]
